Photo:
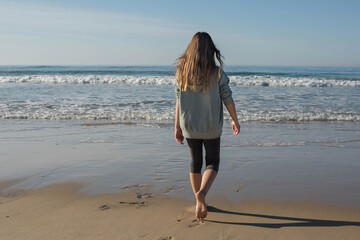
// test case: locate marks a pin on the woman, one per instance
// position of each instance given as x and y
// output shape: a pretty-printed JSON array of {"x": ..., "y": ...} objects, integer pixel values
[{"x": 202, "y": 88}]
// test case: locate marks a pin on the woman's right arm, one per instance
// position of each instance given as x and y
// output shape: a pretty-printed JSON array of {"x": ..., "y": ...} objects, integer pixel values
[{"x": 178, "y": 132}]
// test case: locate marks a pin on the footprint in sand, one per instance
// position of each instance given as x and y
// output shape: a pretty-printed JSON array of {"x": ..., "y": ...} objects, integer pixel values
[
  {"x": 196, "y": 223},
  {"x": 144, "y": 195},
  {"x": 137, "y": 204},
  {"x": 104, "y": 207},
  {"x": 167, "y": 238},
  {"x": 180, "y": 217}
]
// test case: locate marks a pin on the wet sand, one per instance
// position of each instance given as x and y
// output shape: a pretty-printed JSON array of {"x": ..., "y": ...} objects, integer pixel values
[
  {"x": 60, "y": 211},
  {"x": 315, "y": 162}
]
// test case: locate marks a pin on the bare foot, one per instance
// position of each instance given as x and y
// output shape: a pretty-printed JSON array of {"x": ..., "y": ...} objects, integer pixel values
[
  {"x": 198, "y": 212},
  {"x": 201, "y": 207}
]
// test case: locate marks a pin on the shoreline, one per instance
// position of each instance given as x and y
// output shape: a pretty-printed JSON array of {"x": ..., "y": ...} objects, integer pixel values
[
  {"x": 61, "y": 211},
  {"x": 275, "y": 162}
]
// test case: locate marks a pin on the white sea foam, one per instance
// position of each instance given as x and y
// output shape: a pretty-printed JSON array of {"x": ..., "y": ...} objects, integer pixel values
[
  {"x": 265, "y": 81},
  {"x": 153, "y": 115},
  {"x": 90, "y": 79},
  {"x": 272, "y": 81},
  {"x": 298, "y": 117}
]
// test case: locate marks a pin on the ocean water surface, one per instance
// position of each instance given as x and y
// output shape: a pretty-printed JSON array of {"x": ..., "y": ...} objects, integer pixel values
[
  {"x": 146, "y": 93},
  {"x": 111, "y": 127}
]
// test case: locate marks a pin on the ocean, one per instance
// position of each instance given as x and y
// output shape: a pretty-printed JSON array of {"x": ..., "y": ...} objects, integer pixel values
[
  {"x": 146, "y": 93},
  {"x": 112, "y": 128}
]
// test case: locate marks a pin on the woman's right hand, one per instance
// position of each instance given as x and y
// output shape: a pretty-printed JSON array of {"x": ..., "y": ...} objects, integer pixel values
[
  {"x": 236, "y": 127},
  {"x": 179, "y": 136}
]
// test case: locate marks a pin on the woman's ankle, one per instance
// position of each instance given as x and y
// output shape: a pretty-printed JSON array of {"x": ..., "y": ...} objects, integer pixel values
[{"x": 202, "y": 192}]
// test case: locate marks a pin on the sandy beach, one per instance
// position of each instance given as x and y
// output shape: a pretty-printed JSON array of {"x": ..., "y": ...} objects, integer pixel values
[
  {"x": 101, "y": 181},
  {"x": 60, "y": 212}
]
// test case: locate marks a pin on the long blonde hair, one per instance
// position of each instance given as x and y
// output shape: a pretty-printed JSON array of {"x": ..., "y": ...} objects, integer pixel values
[{"x": 197, "y": 65}]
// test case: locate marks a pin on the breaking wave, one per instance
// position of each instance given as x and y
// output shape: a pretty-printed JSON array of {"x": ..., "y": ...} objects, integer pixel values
[{"x": 255, "y": 80}]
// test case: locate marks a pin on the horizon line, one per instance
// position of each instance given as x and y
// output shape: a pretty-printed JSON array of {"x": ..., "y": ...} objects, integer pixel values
[{"x": 163, "y": 65}]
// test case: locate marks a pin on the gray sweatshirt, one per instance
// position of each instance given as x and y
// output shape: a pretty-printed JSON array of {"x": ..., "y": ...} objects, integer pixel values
[{"x": 201, "y": 113}]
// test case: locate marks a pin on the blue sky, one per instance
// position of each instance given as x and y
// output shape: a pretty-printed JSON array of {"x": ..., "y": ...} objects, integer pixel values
[{"x": 296, "y": 33}]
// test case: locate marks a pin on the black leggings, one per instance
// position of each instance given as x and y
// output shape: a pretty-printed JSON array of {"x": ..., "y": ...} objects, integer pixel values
[{"x": 212, "y": 157}]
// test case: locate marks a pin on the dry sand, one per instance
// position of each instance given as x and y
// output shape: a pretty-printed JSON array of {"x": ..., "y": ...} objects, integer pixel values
[{"x": 60, "y": 211}]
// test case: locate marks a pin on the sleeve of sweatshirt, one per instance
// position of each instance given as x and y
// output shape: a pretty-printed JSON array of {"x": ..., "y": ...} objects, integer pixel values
[
  {"x": 224, "y": 89},
  {"x": 177, "y": 93}
]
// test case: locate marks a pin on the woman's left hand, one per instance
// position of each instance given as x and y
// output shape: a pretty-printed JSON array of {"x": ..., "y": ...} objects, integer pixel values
[{"x": 235, "y": 127}]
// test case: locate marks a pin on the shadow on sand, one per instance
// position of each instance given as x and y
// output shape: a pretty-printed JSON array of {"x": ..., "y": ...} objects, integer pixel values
[{"x": 299, "y": 222}]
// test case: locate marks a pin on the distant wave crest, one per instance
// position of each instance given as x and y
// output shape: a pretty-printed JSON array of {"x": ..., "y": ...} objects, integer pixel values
[
  {"x": 262, "y": 81},
  {"x": 272, "y": 81},
  {"x": 90, "y": 79}
]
